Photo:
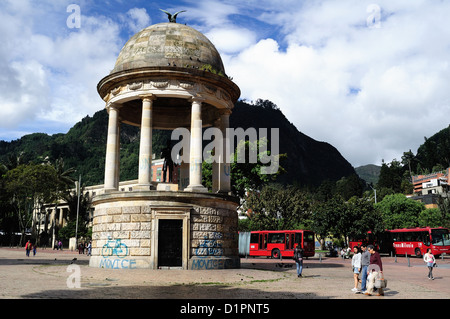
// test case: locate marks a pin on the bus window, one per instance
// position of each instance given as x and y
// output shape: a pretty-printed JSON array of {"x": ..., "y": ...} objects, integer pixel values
[
  {"x": 298, "y": 239},
  {"x": 440, "y": 237},
  {"x": 276, "y": 238},
  {"x": 308, "y": 237},
  {"x": 254, "y": 238}
]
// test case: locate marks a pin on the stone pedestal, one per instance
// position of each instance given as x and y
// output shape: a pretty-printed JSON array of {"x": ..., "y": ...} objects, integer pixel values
[{"x": 126, "y": 230}]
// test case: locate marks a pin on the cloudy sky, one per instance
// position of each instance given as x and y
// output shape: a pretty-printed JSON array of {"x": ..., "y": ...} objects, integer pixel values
[{"x": 372, "y": 78}]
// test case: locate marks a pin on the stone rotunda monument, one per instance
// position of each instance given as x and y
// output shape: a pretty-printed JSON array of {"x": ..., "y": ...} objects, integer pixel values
[{"x": 167, "y": 76}]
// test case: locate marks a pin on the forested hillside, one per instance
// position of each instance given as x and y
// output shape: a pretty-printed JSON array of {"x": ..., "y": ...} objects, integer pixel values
[{"x": 308, "y": 162}]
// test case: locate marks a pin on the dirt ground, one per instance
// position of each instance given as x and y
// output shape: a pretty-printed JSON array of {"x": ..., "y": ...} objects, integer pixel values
[{"x": 51, "y": 274}]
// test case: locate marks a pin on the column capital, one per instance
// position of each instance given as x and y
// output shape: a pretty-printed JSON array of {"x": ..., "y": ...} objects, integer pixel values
[
  {"x": 114, "y": 106},
  {"x": 148, "y": 97},
  {"x": 197, "y": 98}
]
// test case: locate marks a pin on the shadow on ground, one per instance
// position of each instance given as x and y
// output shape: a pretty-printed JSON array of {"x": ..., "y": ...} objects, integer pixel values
[
  {"x": 190, "y": 292},
  {"x": 38, "y": 261}
]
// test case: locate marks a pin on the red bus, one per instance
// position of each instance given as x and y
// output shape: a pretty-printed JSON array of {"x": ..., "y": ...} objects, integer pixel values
[
  {"x": 416, "y": 241},
  {"x": 281, "y": 243},
  {"x": 411, "y": 241}
]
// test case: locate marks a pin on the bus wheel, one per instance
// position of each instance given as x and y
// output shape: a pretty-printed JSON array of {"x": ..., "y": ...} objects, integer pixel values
[
  {"x": 418, "y": 252},
  {"x": 276, "y": 254}
]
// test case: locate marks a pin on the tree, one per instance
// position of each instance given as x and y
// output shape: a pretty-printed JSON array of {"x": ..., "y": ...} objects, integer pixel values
[
  {"x": 398, "y": 211},
  {"x": 407, "y": 158},
  {"x": 246, "y": 175},
  {"x": 391, "y": 176},
  {"x": 276, "y": 207},
  {"x": 27, "y": 186},
  {"x": 431, "y": 217},
  {"x": 345, "y": 219}
]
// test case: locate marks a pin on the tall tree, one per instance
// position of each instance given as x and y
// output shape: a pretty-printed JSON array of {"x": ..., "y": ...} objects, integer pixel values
[
  {"x": 398, "y": 211},
  {"x": 28, "y": 186}
]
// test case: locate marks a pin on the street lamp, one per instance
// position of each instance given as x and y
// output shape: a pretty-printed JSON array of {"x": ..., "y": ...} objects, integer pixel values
[{"x": 375, "y": 191}]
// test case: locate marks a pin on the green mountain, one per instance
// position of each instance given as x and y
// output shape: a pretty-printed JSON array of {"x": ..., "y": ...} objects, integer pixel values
[
  {"x": 308, "y": 162},
  {"x": 370, "y": 173}
]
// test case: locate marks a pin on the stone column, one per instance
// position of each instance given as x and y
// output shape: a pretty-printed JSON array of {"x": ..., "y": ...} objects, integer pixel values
[
  {"x": 145, "y": 147},
  {"x": 112, "y": 148},
  {"x": 195, "y": 155},
  {"x": 224, "y": 173}
]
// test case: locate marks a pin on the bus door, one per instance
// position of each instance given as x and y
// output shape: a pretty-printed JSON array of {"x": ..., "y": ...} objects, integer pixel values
[
  {"x": 263, "y": 241},
  {"x": 289, "y": 241}
]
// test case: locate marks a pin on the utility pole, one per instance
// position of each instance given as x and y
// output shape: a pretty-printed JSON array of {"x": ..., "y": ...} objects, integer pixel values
[{"x": 78, "y": 210}]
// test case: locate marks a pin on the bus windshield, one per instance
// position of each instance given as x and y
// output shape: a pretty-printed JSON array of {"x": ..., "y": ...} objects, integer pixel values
[
  {"x": 440, "y": 237},
  {"x": 308, "y": 236}
]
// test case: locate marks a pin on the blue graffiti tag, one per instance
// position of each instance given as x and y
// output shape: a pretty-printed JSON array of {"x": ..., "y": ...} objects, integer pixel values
[
  {"x": 209, "y": 247},
  {"x": 114, "y": 247}
]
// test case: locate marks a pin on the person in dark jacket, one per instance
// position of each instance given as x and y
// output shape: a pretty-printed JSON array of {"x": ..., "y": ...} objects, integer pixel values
[
  {"x": 298, "y": 257},
  {"x": 375, "y": 270}
]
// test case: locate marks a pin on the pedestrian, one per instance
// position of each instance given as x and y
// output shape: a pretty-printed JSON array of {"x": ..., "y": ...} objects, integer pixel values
[
  {"x": 80, "y": 248},
  {"x": 374, "y": 272},
  {"x": 429, "y": 259},
  {"x": 89, "y": 248},
  {"x": 60, "y": 245},
  {"x": 34, "y": 249},
  {"x": 28, "y": 247},
  {"x": 365, "y": 261},
  {"x": 356, "y": 267},
  {"x": 298, "y": 257}
]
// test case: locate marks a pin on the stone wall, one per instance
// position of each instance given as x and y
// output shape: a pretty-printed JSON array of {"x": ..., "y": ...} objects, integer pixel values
[{"x": 125, "y": 228}]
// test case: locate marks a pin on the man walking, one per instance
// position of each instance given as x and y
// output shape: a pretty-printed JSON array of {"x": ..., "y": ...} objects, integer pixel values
[
  {"x": 365, "y": 262},
  {"x": 298, "y": 257}
]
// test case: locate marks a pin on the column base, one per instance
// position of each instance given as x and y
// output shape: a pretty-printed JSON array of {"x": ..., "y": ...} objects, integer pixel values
[
  {"x": 110, "y": 190},
  {"x": 196, "y": 188},
  {"x": 144, "y": 187},
  {"x": 168, "y": 187}
]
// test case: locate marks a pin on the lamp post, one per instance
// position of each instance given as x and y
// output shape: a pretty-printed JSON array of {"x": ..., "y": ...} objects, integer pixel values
[
  {"x": 375, "y": 191},
  {"x": 78, "y": 210}
]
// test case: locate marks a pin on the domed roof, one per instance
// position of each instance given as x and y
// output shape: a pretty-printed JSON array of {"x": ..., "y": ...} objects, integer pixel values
[{"x": 169, "y": 44}]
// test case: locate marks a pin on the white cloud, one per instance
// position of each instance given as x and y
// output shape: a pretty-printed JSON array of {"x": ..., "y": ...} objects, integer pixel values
[
  {"x": 372, "y": 93},
  {"x": 137, "y": 19},
  {"x": 231, "y": 40},
  {"x": 51, "y": 77}
]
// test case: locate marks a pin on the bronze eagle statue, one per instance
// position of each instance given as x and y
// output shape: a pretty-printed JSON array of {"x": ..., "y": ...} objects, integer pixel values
[{"x": 172, "y": 17}]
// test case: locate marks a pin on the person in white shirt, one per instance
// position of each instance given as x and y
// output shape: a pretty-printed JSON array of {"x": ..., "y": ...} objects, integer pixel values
[
  {"x": 430, "y": 260},
  {"x": 356, "y": 267}
]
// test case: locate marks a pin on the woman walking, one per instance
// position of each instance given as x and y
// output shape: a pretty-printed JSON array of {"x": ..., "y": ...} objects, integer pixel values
[
  {"x": 356, "y": 267},
  {"x": 430, "y": 260}
]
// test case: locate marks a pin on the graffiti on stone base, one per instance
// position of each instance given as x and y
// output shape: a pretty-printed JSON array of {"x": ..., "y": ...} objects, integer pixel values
[
  {"x": 209, "y": 254},
  {"x": 118, "y": 249},
  {"x": 114, "y": 247},
  {"x": 209, "y": 247},
  {"x": 117, "y": 263},
  {"x": 215, "y": 262}
]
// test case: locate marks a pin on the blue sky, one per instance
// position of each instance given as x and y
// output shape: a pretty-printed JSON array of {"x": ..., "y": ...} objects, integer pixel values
[{"x": 369, "y": 77}]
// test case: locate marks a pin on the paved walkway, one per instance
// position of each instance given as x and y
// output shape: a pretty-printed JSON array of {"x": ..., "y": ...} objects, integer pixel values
[{"x": 49, "y": 274}]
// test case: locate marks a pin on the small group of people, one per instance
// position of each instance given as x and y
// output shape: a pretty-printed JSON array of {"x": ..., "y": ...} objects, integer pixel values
[
  {"x": 29, "y": 246},
  {"x": 58, "y": 245},
  {"x": 367, "y": 262},
  {"x": 85, "y": 247}
]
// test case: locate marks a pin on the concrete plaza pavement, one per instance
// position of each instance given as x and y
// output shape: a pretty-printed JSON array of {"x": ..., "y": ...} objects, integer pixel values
[{"x": 49, "y": 275}]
